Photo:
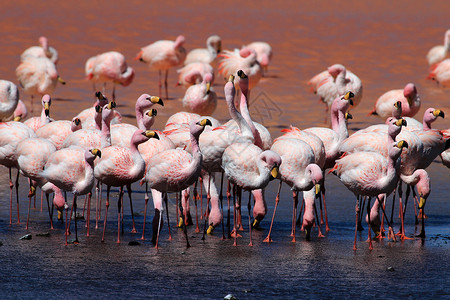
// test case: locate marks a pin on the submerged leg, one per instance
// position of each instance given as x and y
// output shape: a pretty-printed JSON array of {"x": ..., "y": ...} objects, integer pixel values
[
  {"x": 108, "y": 188},
  {"x": 131, "y": 208},
  {"x": 268, "y": 239}
]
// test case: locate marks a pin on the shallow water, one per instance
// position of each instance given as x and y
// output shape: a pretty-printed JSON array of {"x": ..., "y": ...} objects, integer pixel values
[{"x": 383, "y": 43}]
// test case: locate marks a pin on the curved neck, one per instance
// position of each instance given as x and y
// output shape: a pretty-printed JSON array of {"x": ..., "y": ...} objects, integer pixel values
[
  {"x": 243, "y": 106},
  {"x": 339, "y": 124},
  {"x": 44, "y": 118},
  {"x": 106, "y": 133},
  {"x": 139, "y": 118},
  {"x": 426, "y": 124},
  {"x": 240, "y": 121}
]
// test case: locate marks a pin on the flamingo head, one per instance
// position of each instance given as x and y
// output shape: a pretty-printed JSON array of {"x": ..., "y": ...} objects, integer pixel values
[
  {"x": 335, "y": 70},
  {"x": 43, "y": 41},
  {"x": 410, "y": 92},
  {"x": 20, "y": 112},
  {"x": 179, "y": 41},
  {"x": 214, "y": 42},
  {"x": 230, "y": 90},
  {"x": 342, "y": 103},
  {"x": 430, "y": 116},
  {"x": 76, "y": 124},
  {"x": 91, "y": 154},
  {"x": 46, "y": 102},
  {"x": 272, "y": 162},
  {"x": 207, "y": 79},
  {"x": 243, "y": 82},
  {"x": 127, "y": 77}
]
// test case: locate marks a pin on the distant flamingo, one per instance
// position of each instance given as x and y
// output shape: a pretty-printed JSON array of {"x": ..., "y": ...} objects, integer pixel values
[
  {"x": 72, "y": 170},
  {"x": 12, "y": 133},
  {"x": 38, "y": 76},
  {"x": 441, "y": 73},
  {"x": 440, "y": 52},
  {"x": 175, "y": 170},
  {"x": 370, "y": 174},
  {"x": 120, "y": 167},
  {"x": 57, "y": 131},
  {"x": 43, "y": 50},
  {"x": 408, "y": 97},
  {"x": 194, "y": 73},
  {"x": 163, "y": 55},
  {"x": 263, "y": 53},
  {"x": 205, "y": 55},
  {"x": 109, "y": 67},
  {"x": 245, "y": 59},
  {"x": 201, "y": 98},
  {"x": 9, "y": 98},
  {"x": 336, "y": 81}
]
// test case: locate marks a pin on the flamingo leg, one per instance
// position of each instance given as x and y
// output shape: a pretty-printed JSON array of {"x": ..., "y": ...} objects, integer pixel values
[
  {"x": 416, "y": 220},
  {"x": 30, "y": 195},
  {"x": 268, "y": 239},
  {"x": 239, "y": 211},
  {"x": 119, "y": 210},
  {"x": 11, "y": 185},
  {"x": 165, "y": 83},
  {"x": 294, "y": 213},
  {"x": 221, "y": 206},
  {"x": 317, "y": 222},
  {"x": 299, "y": 219},
  {"x": 383, "y": 207},
  {"x": 408, "y": 191},
  {"x": 228, "y": 216},
  {"x": 184, "y": 222},
  {"x": 131, "y": 208},
  {"x": 208, "y": 199},
  {"x": 17, "y": 196},
  {"x": 159, "y": 83},
  {"x": 362, "y": 204},
  {"x": 249, "y": 207},
  {"x": 370, "y": 226},
  {"x": 234, "y": 216},
  {"x": 422, "y": 231},
  {"x": 88, "y": 218},
  {"x": 108, "y": 188},
  {"x": 201, "y": 197},
  {"x": 167, "y": 212},
  {"x": 97, "y": 214},
  {"x": 391, "y": 230},
  {"x": 357, "y": 221},
  {"x": 84, "y": 206},
  {"x": 158, "y": 216},
  {"x": 114, "y": 92},
  {"x": 42, "y": 198},
  {"x": 393, "y": 203},
  {"x": 49, "y": 213},
  {"x": 66, "y": 233},
  {"x": 327, "y": 228},
  {"x": 146, "y": 198}
]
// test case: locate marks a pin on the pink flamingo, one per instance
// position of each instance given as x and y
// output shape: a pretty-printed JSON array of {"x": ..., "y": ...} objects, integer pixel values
[
  {"x": 194, "y": 73},
  {"x": 245, "y": 59},
  {"x": 37, "y": 122},
  {"x": 120, "y": 167},
  {"x": 9, "y": 98},
  {"x": 206, "y": 55},
  {"x": 72, "y": 170},
  {"x": 163, "y": 55},
  {"x": 32, "y": 155},
  {"x": 175, "y": 170},
  {"x": 109, "y": 67},
  {"x": 57, "y": 131},
  {"x": 38, "y": 76},
  {"x": 43, "y": 50},
  {"x": 369, "y": 174},
  {"x": 21, "y": 112},
  {"x": 87, "y": 116},
  {"x": 336, "y": 81},
  {"x": 408, "y": 97},
  {"x": 263, "y": 53},
  {"x": 11, "y": 133},
  {"x": 201, "y": 98},
  {"x": 300, "y": 171},
  {"x": 441, "y": 73},
  {"x": 440, "y": 52}
]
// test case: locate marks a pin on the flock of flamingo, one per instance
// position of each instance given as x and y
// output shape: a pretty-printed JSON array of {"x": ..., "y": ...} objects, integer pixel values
[{"x": 96, "y": 148}]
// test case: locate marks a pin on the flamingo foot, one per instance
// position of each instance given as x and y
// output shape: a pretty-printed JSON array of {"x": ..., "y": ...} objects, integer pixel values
[
  {"x": 293, "y": 239},
  {"x": 233, "y": 234},
  {"x": 134, "y": 230},
  {"x": 320, "y": 235},
  {"x": 391, "y": 235},
  {"x": 327, "y": 229},
  {"x": 380, "y": 236},
  {"x": 268, "y": 239},
  {"x": 404, "y": 237}
]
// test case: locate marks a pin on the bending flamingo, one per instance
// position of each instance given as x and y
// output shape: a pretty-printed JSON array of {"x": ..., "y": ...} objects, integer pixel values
[
  {"x": 43, "y": 50},
  {"x": 408, "y": 97},
  {"x": 263, "y": 53},
  {"x": 206, "y": 55},
  {"x": 201, "y": 98},
  {"x": 194, "y": 73}
]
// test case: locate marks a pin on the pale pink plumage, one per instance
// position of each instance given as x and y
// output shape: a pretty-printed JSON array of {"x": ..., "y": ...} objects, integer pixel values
[
  {"x": 57, "y": 131},
  {"x": 440, "y": 52},
  {"x": 441, "y": 73},
  {"x": 201, "y": 98},
  {"x": 206, "y": 55},
  {"x": 43, "y": 50},
  {"x": 9, "y": 98},
  {"x": 193, "y": 73},
  {"x": 263, "y": 53},
  {"x": 37, "y": 122}
]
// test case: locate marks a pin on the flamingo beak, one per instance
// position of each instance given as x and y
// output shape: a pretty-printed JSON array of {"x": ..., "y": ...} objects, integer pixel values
[
  {"x": 61, "y": 80},
  {"x": 402, "y": 144},
  {"x": 210, "y": 230},
  {"x": 241, "y": 74},
  {"x": 60, "y": 215},
  {"x": 256, "y": 223},
  {"x": 348, "y": 116},
  {"x": 439, "y": 113},
  {"x": 317, "y": 187},
  {"x": 77, "y": 121},
  {"x": 401, "y": 122},
  {"x": 204, "y": 122},
  {"x": 422, "y": 202},
  {"x": 151, "y": 134},
  {"x": 96, "y": 152},
  {"x": 156, "y": 100},
  {"x": 398, "y": 104},
  {"x": 46, "y": 109},
  {"x": 98, "y": 108},
  {"x": 208, "y": 87},
  {"x": 231, "y": 78},
  {"x": 17, "y": 119},
  {"x": 153, "y": 113},
  {"x": 274, "y": 173},
  {"x": 99, "y": 95}
]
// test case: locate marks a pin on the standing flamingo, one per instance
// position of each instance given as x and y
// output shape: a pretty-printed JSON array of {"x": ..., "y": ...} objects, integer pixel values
[
  {"x": 37, "y": 122},
  {"x": 9, "y": 98},
  {"x": 57, "y": 131},
  {"x": 175, "y": 170},
  {"x": 263, "y": 53},
  {"x": 163, "y": 55},
  {"x": 109, "y": 67},
  {"x": 440, "y": 52},
  {"x": 370, "y": 174},
  {"x": 120, "y": 167},
  {"x": 43, "y": 50},
  {"x": 206, "y": 55},
  {"x": 201, "y": 98},
  {"x": 38, "y": 76},
  {"x": 336, "y": 81},
  {"x": 72, "y": 170}
]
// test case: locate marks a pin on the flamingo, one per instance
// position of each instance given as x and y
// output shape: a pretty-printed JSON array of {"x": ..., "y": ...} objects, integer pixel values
[
  {"x": 263, "y": 53},
  {"x": 201, "y": 98},
  {"x": 175, "y": 170},
  {"x": 193, "y": 73},
  {"x": 245, "y": 59},
  {"x": 370, "y": 174},
  {"x": 43, "y": 50},
  {"x": 72, "y": 170},
  {"x": 37, "y": 122},
  {"x": 57, "y": 131},
  {"x": 206, "y": 55},
  {"x": 300, "y": 171},
  {"x": 441, "y": 73},
  {"x": 440, "y": 52},
  {"x": 31, "y": 155},
  {"x": 336, "y": 81},
  {"x": 120, "y": 167},
  {"x": 408, "y": 96},
  {"x": 87, "y": 116},
  {"x": 38, "y": 76},
  {"x": 9, "y": 98},
  {"x": 163, "y": 55},
  {"x": 109, "y": 67},
  {"x": 11, "y": 133},
  {"x": 445, "y": 156}
]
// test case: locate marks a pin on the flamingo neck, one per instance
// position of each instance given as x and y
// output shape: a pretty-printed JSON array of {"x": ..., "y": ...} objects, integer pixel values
[
  {"x": 139, "y": 119},
  {"x": 426, "y": 123},
  {"x": 44, "y": 118},
  {"x": 105, "y": 140},
  {"x": 197, "y": 156},
  {"x": 243, "y": 106},
  {"x": 341, "y": 125},
  {"x": 240, "y": 121}
]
